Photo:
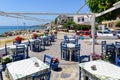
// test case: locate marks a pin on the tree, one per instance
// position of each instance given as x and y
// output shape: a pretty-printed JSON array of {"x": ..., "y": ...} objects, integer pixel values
[
  {"x": 69, "y": 25},
  {"x": 97, "y": 6},
  {"x": 118, "y": 24},
  {"x": 55, "y": 21}
]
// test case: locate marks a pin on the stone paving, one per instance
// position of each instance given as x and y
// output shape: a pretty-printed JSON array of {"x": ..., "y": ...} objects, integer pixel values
[{"x": 68, "y": 70}]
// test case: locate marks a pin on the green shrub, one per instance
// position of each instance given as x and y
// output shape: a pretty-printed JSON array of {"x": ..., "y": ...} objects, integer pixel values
[
  {"x": 118, "y": 24},
  {"x": 6, "y": 59}
]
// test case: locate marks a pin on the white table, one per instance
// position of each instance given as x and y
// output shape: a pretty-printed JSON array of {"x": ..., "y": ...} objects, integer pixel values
[
  {"x": 12, "y": 48},
  {"x": 104, "y": 70},
  {"x": 70, "y": 46},
  {"x": 23, "y": 69}
]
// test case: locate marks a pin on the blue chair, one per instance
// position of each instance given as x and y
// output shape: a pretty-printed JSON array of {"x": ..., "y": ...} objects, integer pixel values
[
  {"x": 20, "y": 53},
  {"x": 110, "y": 51},
  {"x": 117, "y": 61},
  {"x": 52, "y": 38},
  {"x": 81, "y": 59},
  {"x": 46, "y": 41},
  {"x": 76, "y": 52},
  {"x": 36, "y": 46},
  {"x": 42, "y": 76},
  {"x": 48, "y": 60},
  {"x": 1, "y": 77},
  {"x": 64, "y": 51}
]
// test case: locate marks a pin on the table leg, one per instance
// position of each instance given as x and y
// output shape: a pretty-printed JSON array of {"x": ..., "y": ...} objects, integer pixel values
[{"x": 70, "y": 55}]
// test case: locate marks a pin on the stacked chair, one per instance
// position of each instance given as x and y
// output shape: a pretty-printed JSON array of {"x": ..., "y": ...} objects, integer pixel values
[
  {"x": 52, "y": 38},
  {"x": 46, "y": 41}
]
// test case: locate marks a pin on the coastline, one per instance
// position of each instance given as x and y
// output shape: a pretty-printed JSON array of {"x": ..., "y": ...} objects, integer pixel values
[{"x": 9, "y": 39}]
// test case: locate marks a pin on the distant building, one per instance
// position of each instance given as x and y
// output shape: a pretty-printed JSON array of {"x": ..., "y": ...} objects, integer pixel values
[
  {"x": 78, "y": 19},
  {"x": 81, "y": 19},
  {"x": 61, "y": 19},
  {"x": 112, "y": 23}
]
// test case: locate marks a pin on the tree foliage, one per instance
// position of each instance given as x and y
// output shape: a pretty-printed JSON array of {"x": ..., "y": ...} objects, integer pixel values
[
  {"x": 97, "y": 6},
  {"x": 55, "y": 21},
  {"x": 69, "y": 25},
  {"x": 118, "y": 24}
]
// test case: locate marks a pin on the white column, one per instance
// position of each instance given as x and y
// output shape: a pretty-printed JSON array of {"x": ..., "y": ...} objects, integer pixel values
[{"x": 93, "y": 33}]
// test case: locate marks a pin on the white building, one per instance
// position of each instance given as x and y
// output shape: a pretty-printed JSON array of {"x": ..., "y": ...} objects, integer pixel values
[{"x": 81, "y": 19}]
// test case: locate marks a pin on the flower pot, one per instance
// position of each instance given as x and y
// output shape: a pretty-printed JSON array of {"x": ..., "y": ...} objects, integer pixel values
[
  {"x": 55, "y": 66},
  {"x": 18, "y": 42}
]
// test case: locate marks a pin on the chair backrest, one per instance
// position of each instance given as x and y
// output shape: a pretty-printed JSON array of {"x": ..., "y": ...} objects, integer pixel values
[
  {"x": 48, "y": 60},
  {"x": 20, "y": 49},
  {"x": 20, "y": 53},
  {"x": 103, "y": 43},
  {"x": 117, "y": 43},
  {"x": 42, "y": 76},
  {"x": 110, "y": 52},
  {"x": 66, "y": 38},
  {"x": 1, "y": 77},
  {"x": 83, "y": 58}
]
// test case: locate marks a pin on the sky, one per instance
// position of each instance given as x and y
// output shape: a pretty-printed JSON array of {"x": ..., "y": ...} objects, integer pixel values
[{"x": 43, "y": 6}]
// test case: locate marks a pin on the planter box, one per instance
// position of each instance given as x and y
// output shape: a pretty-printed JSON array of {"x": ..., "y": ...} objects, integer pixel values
[{"x": 55, "y": 66}]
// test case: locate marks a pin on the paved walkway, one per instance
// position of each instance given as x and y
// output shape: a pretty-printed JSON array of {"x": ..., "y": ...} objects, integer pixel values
[{"x": 68, "y": 70}]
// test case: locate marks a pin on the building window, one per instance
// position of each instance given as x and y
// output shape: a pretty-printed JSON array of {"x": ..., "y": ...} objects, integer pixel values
[
  {"x": 78, "y": 19},
  {"x": 83, "y": 19}
]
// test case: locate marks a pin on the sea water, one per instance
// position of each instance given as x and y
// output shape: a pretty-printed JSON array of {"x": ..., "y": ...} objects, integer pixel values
[{"x": 4, "y": 29}]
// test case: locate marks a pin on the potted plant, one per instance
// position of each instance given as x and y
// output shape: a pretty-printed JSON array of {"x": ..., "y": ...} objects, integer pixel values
[
  {"x": 96, "y": 56},
  {"x": 35, "y": 35},
  {"x": 18, "y": 39},
  {"x": 5, "y": 60},
  {"x": 55, "y": 63}
]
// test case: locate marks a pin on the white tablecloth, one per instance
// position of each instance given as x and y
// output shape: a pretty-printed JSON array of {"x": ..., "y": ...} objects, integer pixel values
[
  {"x": 23, "y": 69},
  {"x": 70, "y": 45},
  {"x": 104, "y": 70}
]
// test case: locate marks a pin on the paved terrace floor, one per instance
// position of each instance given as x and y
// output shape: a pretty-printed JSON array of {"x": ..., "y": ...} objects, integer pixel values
[{"x": 68, "y": 69}]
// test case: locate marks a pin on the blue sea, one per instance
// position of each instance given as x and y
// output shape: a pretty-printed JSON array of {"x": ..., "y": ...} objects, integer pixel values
[{"x": 4, "y": 29}]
